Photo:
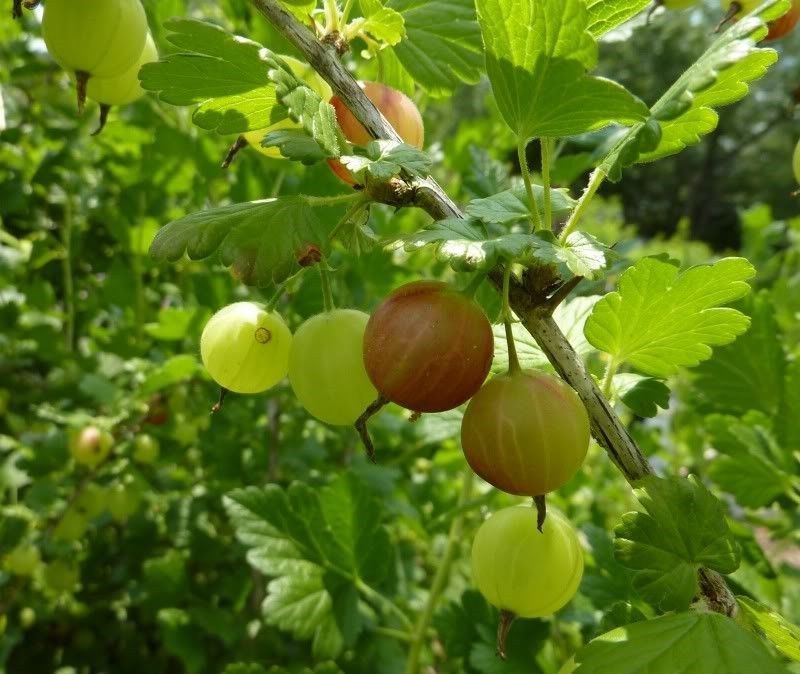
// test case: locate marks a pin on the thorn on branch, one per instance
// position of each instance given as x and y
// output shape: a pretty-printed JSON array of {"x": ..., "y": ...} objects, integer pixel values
[{"x": 361, "y": 425}]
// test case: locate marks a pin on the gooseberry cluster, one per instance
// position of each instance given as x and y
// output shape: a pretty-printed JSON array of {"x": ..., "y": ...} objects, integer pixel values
[
  {"x": 103, "y": 44},
  {"x": 428, "y": 347}
]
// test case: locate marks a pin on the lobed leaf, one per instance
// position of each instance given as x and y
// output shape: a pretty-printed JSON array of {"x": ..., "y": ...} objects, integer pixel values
[
  {"x": 661, "y": 319},
  {"x": 683, "y": 528}
]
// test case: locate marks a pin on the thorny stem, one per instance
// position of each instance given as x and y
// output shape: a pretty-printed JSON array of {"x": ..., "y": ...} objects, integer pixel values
[
  {"x": 361, "y": 425},
  {"x": 513, "y": 360},
  {"x": 442, "y": 575},
  {"x": 536, "y": 222},
  {"x": 607, "y": 428},
  {"x": 547, "y": 159}
]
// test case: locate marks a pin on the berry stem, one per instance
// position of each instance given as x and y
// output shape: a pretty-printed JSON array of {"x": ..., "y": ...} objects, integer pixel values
[
  {"x": 513, "y": 360},
  {"x": 503, "y": 627},
  {"x": 540, "y": 503},
  {"x": 547, "y": 159},
  {"x": 361, "y": 425},
  {"x": 238, "y": 145},
  {"x": 327, "y": 293},
  {"x": 536, "y": 222}
]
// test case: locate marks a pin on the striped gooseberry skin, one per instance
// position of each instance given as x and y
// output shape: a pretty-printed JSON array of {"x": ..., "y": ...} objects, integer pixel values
[
  {"x": 526, "y": 433},
  {"x": 428, "y": 347},
  {"x": 517, "y": 568}
]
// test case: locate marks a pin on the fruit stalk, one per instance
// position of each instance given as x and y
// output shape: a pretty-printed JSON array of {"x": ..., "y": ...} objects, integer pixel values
[{"x": 607, "y": 428}]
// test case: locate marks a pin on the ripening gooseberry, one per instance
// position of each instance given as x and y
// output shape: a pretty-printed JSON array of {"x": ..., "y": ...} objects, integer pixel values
[
  {"x": 326, "y": 366},
  {"x": 399, "y": 111},
  {"x": 125, "y": 88},
  {"x": 778, "y": 28},
  {"x": 428, "y": 347},
  {"x": 307, "y": 74},
  {"x": 94, "y": 39},
  {"x": 245, "y": 348},
  {"x": 526, "y": 433},
  {"x": 522, "y": 571},
  {"x": 91, "y": 446}
]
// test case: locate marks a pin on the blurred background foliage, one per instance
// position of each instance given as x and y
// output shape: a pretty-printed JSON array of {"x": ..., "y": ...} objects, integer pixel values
[{"x": 93, "y": 331}]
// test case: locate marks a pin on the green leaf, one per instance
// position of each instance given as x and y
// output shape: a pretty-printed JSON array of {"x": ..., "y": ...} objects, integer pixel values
[
  {"x": 772, "y": 626},
  {"x": 605, "y": 582},
  {"x": 682, "y": 529},
  {"x": 173, "y": 371},
  {"x": 536, "y": 46},
  {"x": 318, "y": 544},
  {"x": 180, "y": 638},
  {"x": 295, "y": 145},
  {"x": 570, "y": 317},
  {"x": 12, "y": 530},
  {"x": 382, "y": 23},
  {"x": 386, "y": 159},
  {"x": 788, "y": 421},
  {"x": 751, "y": 465},
  {"x": 175, "y": 323},
  {"x": 442, "y": 48},
  {"x": 512, "y": 205},
  {"x": 262, "y": 240},
  {"x": 718, "y": 78},
  {"x": 643, "y": 395},
  {"x": 747, "y": 374},
  {"x": 605, "y": 15},
  {"x": 678, "y": 643},
  {"x": 225, "y": 74},
  {"x": 659, "y": 319}
]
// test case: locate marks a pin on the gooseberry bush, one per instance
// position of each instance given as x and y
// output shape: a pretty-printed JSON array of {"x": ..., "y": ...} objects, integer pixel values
[{"x": 369, "y": 385}]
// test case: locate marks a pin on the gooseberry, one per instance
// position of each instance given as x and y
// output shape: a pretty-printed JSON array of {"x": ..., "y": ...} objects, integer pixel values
[
  {"x": 91, "y": 446},
  {"x": 522, "y": 571},
  {"x": 94, "y": 39},
  {"x": 398, "y": 109},
  {"x": 145, "y": 448},
  {"x": 777, "y": 28},
  {"x": 428, "y": 347},
  {"x": 526, "y": 433},
  {"x": 22, "y": 560},
  {"x": 122, "y": 89},
  {"x": 326, "y": 366},
  {"x": 245, "y": 348},
  {"x": 61, "y": 576},
  {"x": 123, "y": 501}
]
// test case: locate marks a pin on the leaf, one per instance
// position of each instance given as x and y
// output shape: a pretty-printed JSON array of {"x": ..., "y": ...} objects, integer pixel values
[
  {"x": 442, "y": 48},
  {"x": 386, "y": 159},
  {"x": 682, "y": 529},
  {"x": 747, "y": 374},
  {"x": 295, "y": 145},
  {"x": 317, "y": 544},
  {"x": 570, "y": 317},
  {"x": 788, "y": 421},
  {"x": 659, "y": 319},
  {"x": 512, "y": 205},
  {"x": 262, "y": 240},
  {"x": 751, "y": 465},
  {"x": 225, "y": 74},
  {"x": 675, "y": 644},
  {"x": 174, "y": 323},
  {"x": 643, "y": 395},
  {"x": 173, "y": 371},
  {"x": 605, "y": 582},
  {"x": 718, "y": 78},
  {"x": 772, "y": 626},
  {"x": 383, "y": 24},
  {"x": 538, "y": 46},
  {"x": 605, "y": 15}
]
